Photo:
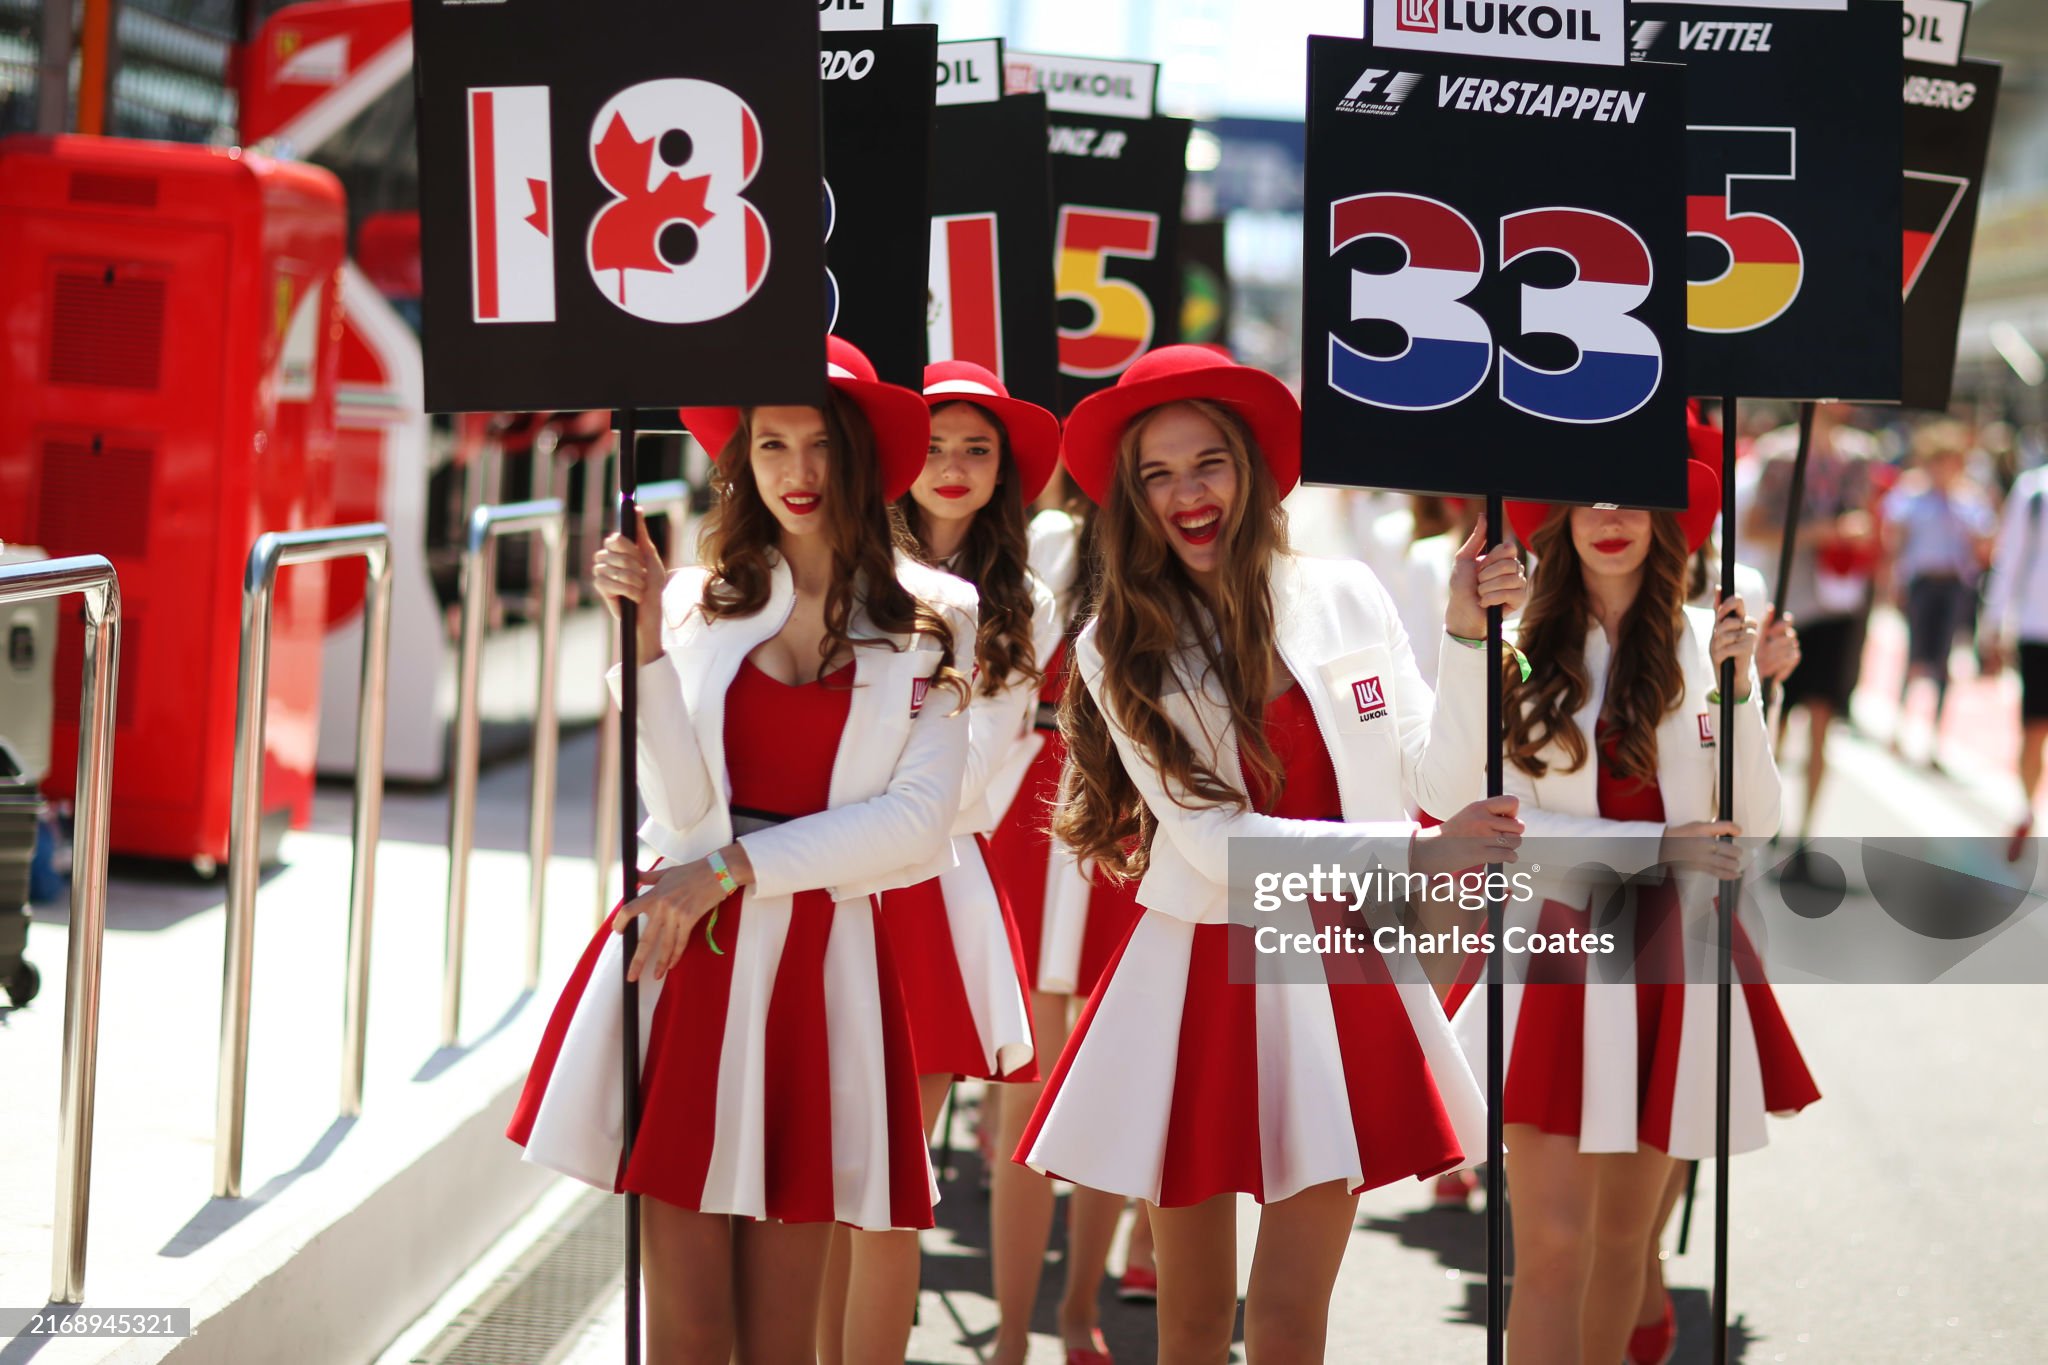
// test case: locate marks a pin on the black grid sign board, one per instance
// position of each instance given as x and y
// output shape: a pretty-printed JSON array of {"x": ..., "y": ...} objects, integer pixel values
[
  {"x": 1493, "y": 283},
  {"x": 878, "y": 87},
  {"x": 619, "y": 204},
  {"x": 990, "y": 295},
  {"x": 1792, "y": 195},
  {"x": 1948, "y": 134}
]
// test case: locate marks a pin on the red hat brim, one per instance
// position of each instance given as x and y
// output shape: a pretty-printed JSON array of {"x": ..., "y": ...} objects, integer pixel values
[
  {"x": 1269, "y": 409},
  {"x": 901, "y": 423},
  {"x": 1703, "y": 504},
  {"x": 1034, "y": 435}
]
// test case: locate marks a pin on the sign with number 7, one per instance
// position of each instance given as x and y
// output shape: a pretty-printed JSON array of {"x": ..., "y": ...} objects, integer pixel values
[
  {"x": 1493, "y": 295},
  {"x": 610, "y": 223}
]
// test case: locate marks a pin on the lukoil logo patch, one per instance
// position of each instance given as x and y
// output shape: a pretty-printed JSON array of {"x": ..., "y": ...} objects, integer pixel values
[{"x": 1371, "y": 698}]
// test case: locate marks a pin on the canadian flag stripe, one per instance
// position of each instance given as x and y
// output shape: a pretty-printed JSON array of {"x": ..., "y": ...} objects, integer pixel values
[
  {"x": 483, "y": 200},
  {"x": 510, "y": 192},
  {"x": 969, "y": 321}
]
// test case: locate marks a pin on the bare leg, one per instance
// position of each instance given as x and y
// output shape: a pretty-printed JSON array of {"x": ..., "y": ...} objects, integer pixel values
[
  {"x": 1021, "y": 1200},
  {"x": 779, "y": 1267},
  {"x": 1294, "y": 1271},
  {"x": 834, "y": 1283},
  {"x": 1138, "y": 1252},
  {"x": 1197, "y": 1251},
  {"x": 2032, "y": 737},
  {"x": 1091, "y": 1229},
  {"x": 1820, "y": 715},
  {"x": 687, "y": 1269},
  {"x": 1625, "y": 1223},
  {"x": 872, "y": 1291},
  {"x": 1555, "y": 1191},
  {"x": 1650, "y": 1309}
]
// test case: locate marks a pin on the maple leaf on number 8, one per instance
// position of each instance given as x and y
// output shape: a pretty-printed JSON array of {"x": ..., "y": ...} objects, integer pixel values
[{"x": 628, "y": 236}]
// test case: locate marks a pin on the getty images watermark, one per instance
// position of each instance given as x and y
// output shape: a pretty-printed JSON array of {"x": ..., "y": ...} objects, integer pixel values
[{"x": 1620, "y": 910}]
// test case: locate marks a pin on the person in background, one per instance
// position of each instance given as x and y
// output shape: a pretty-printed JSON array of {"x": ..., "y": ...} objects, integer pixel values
[
  {"x": 1833, "y": 560},
  {"x": 1938, "y": 532},
  {"x": 2014, "y": 630}
]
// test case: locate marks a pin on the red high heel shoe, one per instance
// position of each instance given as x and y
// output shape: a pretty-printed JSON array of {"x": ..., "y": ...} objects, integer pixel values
[{"x": 1657, "y": 1343}]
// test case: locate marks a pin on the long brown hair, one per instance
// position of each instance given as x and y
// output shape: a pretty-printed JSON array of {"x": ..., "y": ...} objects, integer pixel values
[
  {"x": 741, "y": 533},
  {"x": 1148, "y": 611},
  {"x": 1644, "y": 680},
  {"x": 995, "y": 558}
]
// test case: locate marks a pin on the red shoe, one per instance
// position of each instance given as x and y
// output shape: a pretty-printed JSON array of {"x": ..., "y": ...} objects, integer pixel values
[
  {"x": 2016, "y": 848},
  {"x": 1454, "y": 1189},
  {"x": 1657, "y": 1343},
  {"x": 1098, "y": 1354},
  {"x": 1138, "y": 1285}
]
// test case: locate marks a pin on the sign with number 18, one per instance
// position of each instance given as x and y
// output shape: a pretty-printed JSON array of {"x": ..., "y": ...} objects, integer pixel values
[{"x": 619, "y": 207}]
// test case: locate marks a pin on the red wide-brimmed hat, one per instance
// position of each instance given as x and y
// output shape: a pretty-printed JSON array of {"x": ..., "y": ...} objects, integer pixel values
[
  {"x": 901, "y": 422},
  {"x": 1034, "y": 432},
  {"x": 1702, "y": 493},
  {"x": 1172, "y": 374}
]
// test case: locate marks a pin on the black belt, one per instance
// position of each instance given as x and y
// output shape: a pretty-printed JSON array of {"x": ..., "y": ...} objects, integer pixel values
[
  {"x": 1048, "y": 717},
  {"x": 746, "y": 820}
]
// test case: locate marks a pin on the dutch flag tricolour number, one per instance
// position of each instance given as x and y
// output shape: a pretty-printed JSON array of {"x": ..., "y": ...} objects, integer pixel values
[{"x": 511, "y": 208}]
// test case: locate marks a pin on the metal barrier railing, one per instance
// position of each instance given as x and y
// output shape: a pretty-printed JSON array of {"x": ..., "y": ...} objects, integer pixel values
[
  {"x": 672, "y": 498},
  {"x": 94, "y": 578},
  {"x": 273, "y": 551},
  {"x": 487, "y": 525}
]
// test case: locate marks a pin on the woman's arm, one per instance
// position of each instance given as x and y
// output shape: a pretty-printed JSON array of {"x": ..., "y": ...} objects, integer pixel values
[
  {"x": 675, "y": 782},
  {"x": 997, "y": 724},
  {"x": 1202, "y": 835}
]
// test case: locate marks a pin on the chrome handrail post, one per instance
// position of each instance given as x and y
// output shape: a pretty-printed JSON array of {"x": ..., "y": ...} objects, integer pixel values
[
  {"x": 487, "y": 525},
  {"x": 540, "y": 824},
  {"x": 272, "y": 552},
  {"x": 244, "y": 851},
  {"x": 366, "y": 819},
  {"x": 94, "y": 578}
]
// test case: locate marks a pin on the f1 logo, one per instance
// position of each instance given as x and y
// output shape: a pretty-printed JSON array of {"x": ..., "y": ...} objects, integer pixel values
[
  {"x": 1706, "y": 719},
  {"x": 1416, "y": 16},
  {"x": 918, "y": 688},
  {"x": 1370, "y": 696}
]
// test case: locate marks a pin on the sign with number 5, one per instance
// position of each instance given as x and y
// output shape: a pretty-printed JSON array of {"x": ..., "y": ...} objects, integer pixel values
[
  {"x": 620, "y": 213},
  {"x": 1792, "y": 195},
  {"x": 1494, "y": 287}
]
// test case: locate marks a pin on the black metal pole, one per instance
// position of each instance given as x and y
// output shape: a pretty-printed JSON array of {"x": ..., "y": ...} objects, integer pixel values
[
  {"x": 1794, "y": 504},
  {"x": 1731, "y": 892},
  {"x": 1692, "y": 1185},
  {"x": 1496, "y": 996},
  {"x": 625, "y": 420}
]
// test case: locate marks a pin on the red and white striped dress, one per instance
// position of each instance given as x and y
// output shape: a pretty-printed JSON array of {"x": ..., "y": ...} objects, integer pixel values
[
  {"x": 1622, "y": 1065},
  {"x": 1181, "y": 1083},
  {"x": 1070, "y": 924},
  {"x": 777, "y": 1078}
]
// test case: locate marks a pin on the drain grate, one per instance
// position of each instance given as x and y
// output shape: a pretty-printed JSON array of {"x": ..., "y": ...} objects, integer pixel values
[{"x": 537, "y": 1307}]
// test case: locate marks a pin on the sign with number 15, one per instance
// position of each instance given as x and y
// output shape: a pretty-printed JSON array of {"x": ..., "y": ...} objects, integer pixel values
[
  {"x": 619, "y": 204},
  {"x": 1493, "y": 281}
]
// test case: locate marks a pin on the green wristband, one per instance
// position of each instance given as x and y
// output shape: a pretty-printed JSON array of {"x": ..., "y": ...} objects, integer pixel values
[{"x": 1521, "y": 659}]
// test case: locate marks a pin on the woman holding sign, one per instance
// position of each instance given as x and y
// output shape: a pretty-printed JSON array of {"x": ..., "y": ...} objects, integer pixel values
[
  {"x": 963, "y": 971},
  {"x": 803, "y": 730},
  {"x": 1233, "y": 691},
  {"x": 1611, "y": 738}
]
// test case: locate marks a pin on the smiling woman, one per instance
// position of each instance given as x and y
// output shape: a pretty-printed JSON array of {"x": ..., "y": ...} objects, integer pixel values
[
  {"x": 802, "y": 735},
  {"x": 1226, "y": 695}
]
